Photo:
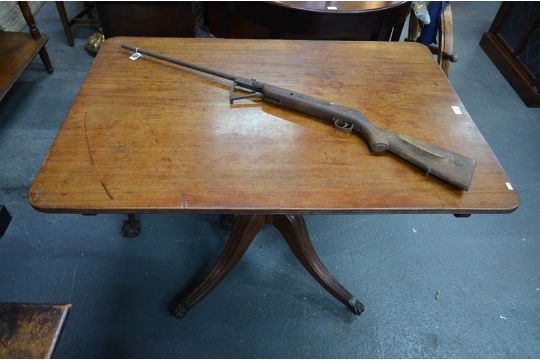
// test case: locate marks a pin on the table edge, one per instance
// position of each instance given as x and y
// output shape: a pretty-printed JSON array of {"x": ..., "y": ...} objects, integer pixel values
[{"x": 386, "y": 210}]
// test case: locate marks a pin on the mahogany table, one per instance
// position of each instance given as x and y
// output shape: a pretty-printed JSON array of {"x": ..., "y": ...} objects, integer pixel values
[{"x": 149, "y": 136}]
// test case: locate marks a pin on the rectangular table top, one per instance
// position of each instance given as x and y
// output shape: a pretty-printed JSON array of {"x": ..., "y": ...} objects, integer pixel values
[{"x": 149, "y": 136}]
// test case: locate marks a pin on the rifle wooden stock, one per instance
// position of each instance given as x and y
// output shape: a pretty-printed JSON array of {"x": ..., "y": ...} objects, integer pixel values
[{"x": 451, "y": 167}]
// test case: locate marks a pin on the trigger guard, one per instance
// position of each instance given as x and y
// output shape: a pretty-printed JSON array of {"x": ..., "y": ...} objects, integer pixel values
[{"x": 343, "y": 125}]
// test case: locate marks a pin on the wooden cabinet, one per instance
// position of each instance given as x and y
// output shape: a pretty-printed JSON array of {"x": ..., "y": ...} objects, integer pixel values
[{"x": 513, "y": 45}]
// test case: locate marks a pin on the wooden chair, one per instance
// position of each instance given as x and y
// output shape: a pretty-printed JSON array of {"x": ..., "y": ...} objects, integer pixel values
[{"x": 444, "y": 49}]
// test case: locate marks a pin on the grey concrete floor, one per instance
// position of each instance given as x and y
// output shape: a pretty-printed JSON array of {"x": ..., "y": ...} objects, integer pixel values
[{"x": 486, "y": 269}]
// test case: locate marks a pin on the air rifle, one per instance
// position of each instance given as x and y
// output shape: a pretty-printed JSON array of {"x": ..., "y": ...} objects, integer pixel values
[{"x": 451, "y": 167}]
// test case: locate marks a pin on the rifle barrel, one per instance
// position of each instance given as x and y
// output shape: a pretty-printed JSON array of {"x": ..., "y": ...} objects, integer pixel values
[{"x": 180, "y": 62}]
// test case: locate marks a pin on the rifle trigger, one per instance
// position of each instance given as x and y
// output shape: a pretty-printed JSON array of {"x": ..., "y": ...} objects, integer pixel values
[
  {"x": 342, "y": 125},
  {"x": 249, "y": 93}
]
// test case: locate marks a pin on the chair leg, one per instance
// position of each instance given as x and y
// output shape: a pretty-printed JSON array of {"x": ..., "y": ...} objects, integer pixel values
[
  {"x": 65, "y": 22},
  {"x": 45, "y": 58},
  {"x": 447, "y": 31}
]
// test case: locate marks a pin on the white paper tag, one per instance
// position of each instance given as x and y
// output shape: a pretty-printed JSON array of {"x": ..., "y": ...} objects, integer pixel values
[
  {"x": 457, "y": 110},
  {"x": 135, "y": 56},
  {"x": 331, "y": 8},
  {"x": 509, "y": 186}
]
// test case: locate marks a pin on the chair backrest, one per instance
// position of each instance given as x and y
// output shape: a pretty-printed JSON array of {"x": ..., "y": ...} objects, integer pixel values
[{"x": 308, "y": 20}]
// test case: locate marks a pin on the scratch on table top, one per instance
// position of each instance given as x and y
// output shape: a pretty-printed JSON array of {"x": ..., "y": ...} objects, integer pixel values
[
  {"x": 106, "y": 190},
  {"x": 154, "y": 136},
  {"x": 184, "y": 201},
  {"x": 87, "y": 142}
]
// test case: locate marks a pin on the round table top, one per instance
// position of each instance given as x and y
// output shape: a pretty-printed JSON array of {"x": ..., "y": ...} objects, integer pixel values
[{"x": 340, "y": 6}]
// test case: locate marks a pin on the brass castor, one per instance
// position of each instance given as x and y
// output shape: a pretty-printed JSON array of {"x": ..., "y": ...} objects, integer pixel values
[{"x": 131, "y": 227}]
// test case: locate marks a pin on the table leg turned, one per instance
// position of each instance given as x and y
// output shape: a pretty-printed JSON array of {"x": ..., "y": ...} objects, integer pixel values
[
  {"x": 34, "y": 31},
  {"x": 44, "y": 55},
  {"x": 245, "y": 228}
]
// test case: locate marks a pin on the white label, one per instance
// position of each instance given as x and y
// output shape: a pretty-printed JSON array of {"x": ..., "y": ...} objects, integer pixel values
[
  {"x": 135, "y": 56},
  {"x": 331, "y": 8},
  {"x": 509, "y": 186},
  {"x": 457, "y": 110}
]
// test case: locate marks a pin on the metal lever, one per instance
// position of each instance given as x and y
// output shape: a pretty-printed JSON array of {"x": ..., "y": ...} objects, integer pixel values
[{"x": 233, "y": 97}]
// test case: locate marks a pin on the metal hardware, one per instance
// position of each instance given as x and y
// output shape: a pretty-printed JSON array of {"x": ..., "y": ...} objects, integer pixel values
[
  {"x": 249, "y": 93},
  {"x": 342, "y": 125},
  {"x": 356, "y": 306},
  {"x": 131, "y": 227}
]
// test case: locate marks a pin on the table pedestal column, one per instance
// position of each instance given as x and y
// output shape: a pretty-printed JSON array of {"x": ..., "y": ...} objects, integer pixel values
[{"x": 294, "y": 231}]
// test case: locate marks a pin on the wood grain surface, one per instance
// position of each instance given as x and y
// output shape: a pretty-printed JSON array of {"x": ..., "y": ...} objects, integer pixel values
[
  {"x": 148, "y": 136},
  {"x": 17, "y": 50},
  {"x": 30, "y": 330}
]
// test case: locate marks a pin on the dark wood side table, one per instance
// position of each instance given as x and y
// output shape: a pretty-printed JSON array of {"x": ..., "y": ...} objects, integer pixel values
[
  {"x": 18, "y": 49},
  {"x": 171, "y": 142}
]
